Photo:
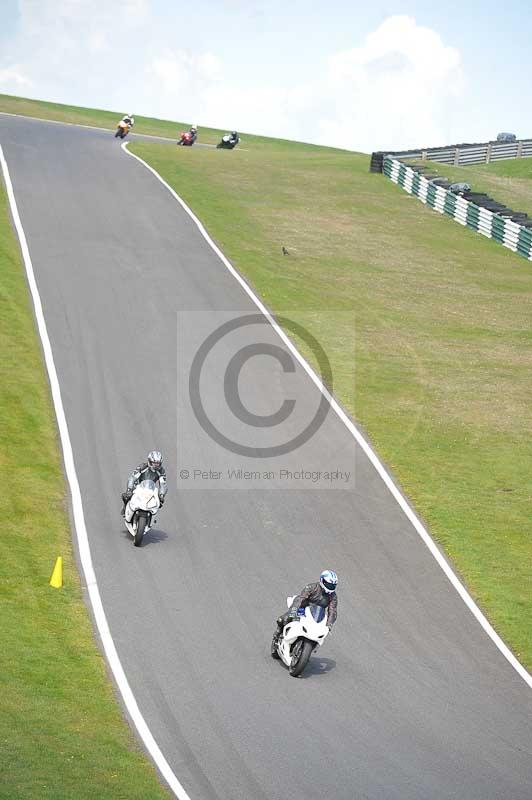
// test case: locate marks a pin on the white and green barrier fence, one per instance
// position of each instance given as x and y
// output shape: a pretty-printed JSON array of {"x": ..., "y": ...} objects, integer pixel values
[{"x": 516, "y": 235}]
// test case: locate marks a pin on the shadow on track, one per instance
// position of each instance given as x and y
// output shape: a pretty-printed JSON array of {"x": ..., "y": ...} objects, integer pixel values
[
  {"x": 318, "y": 666},
  {"x": 155, "y": 536}
]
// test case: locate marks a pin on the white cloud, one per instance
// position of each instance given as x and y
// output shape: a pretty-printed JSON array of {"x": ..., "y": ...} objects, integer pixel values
[
  {"x": 97, "y": 42},
  {"x": 11, "y": 79},
  {"x": 174, "y": 71},
  {"x": 394, "y": 90},
  {"x": 69, "y": 50},
  {"x": 136, "y": 12},
  {"x": 269, "y": 110}
]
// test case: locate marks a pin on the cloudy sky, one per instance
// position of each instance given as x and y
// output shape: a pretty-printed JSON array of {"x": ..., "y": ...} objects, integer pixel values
[{"x": 359, "y": 75}]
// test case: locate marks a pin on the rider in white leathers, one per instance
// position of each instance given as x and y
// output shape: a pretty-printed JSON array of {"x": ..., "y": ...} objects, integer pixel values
[{"x": 150, "y": 470}]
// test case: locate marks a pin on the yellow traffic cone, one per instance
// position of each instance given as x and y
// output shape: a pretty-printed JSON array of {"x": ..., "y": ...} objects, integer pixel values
[{"x": 57, "y": 575}]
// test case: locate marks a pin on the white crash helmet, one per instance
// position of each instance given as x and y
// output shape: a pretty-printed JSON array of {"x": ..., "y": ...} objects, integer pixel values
[
  {"x": 155, "y": 459},
  {"x": 328, "y": 581}
]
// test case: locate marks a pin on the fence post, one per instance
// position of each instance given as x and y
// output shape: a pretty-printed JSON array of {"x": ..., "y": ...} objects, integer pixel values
[
  {"x": 456, "y": 156},
  {"x": 423, "y": 155},
  {"x": 519, "y": 149},
  {"x": 488, "y": 153}
]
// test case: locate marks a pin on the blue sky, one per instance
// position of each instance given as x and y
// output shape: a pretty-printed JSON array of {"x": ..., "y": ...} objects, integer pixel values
[{"x": 358, "y": 75}]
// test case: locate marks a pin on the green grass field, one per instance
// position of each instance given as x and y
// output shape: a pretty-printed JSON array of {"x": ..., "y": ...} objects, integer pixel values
[
  {"x": 97, "y": 118},
  {"x": 109, "y": 119},
  {"x": 509, "y": 182},
  {"x": 441, "y": 322},
  {"x": 62, "y": 733}
]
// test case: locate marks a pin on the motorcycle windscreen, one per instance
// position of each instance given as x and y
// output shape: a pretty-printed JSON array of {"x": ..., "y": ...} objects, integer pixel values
[
  {"x": 317, "y": 612},
  {"x": 147, "y": 485}
]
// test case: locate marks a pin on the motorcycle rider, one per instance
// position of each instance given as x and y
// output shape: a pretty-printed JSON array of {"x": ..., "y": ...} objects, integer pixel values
[
  {"x": 150, "y": 470},
  {"x": 229, "y": 140},
  {"x": 129, "y": 119},
  {"x": 321, "y": 593},
  {"x": 189, "y": 137}
]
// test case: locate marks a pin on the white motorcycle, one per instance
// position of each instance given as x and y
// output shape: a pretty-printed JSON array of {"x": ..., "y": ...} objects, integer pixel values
[
  {"x": 142, "y": 510},
  {"x": 300, "y": 637}
]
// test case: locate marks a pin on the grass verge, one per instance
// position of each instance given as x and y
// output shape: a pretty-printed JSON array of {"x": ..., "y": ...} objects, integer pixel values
[
  {"x": 441, "y": 318},
  {"x": 508, "y": 182},
  {"x": 62, "y": 733},
  {"x": 42, "y": 109},
  {"x": 92, "y": 116}
]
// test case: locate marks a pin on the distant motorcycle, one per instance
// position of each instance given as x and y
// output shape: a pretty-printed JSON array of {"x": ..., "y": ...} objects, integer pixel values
[
  {"x": 300, "y": 637},
  {"x": 141, "y": 511},
  {"x": 228, "y": 142},
  {"x": 122, "y": 130},
  {"x": 186, "y": 139}
]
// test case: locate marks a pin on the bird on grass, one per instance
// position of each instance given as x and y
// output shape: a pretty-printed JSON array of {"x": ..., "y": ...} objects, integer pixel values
[{"x": 285, "y": 251}]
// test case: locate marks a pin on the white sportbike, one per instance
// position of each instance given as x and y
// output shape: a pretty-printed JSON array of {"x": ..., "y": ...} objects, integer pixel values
[
  {"x": 141, "y": 510},
  {"x": 301, "y": 637}
]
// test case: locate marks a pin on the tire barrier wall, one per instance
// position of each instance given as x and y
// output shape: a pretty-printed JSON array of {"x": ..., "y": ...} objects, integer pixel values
[
  {"x": 460, "y": 154},
  {"x": 486, "y": 216}
]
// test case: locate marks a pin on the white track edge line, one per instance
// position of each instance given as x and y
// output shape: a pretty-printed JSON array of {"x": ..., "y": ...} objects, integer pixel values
[
  {"x": 366, "y": 447},
  {"x": 77, "y": 508},
  {"x": 96, "y": 128},
  {"x": 59, "y": 122}
]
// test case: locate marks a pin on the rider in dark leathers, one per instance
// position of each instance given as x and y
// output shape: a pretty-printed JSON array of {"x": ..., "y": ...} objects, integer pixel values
[
  {"x": 229, "y": 141},
  {"x": 322, "y": 593},
  {"x": 150, "y": 470}
]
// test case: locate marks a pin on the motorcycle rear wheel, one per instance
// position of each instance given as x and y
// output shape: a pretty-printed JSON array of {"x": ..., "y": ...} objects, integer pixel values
[
  {"x": 301, "y": 652},
  {"x": 139, "y": 534}
]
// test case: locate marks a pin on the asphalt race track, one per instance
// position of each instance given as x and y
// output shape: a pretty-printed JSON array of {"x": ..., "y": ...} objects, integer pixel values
[{"x": 409, "y": 698}]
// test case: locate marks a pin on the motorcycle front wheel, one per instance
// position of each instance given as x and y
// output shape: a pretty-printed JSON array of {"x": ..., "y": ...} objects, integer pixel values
[
  {"x": 301, "y": 652},
  {"x": 141, "y": 526}
]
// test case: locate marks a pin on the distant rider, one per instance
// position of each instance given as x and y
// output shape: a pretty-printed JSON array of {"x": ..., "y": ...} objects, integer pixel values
[
  {"x": 150, "y": 470},
  {"x": 229, "y": 139},
  {"x": 322, "y": 593},
  {"x": 129, "y": 119},
  {"x": 193, "y": 133}
]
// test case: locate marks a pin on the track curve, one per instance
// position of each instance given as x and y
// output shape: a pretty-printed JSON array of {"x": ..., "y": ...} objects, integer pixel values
[{"x": 410, "y": 699}]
